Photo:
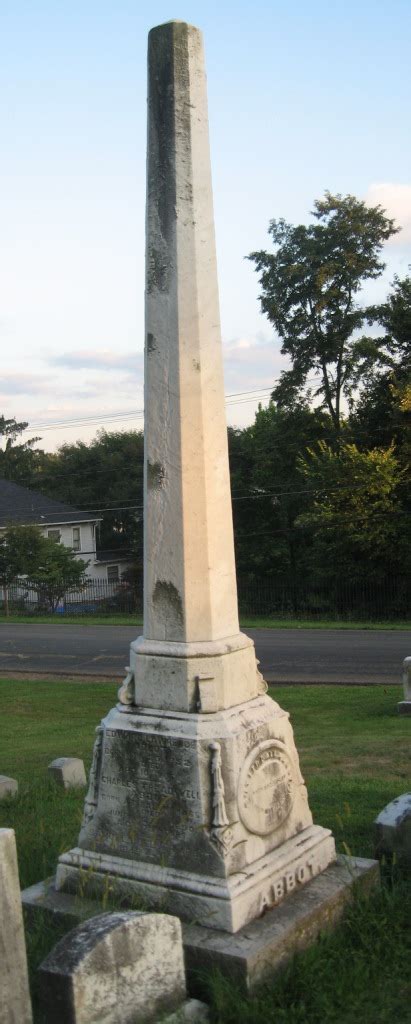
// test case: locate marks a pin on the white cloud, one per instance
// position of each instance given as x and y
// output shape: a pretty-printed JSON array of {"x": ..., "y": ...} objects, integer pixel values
[
  {"x": 98, "y": 359},
  {"x": 251, "y": 363},
  {"x": 25, "y": 384},
  {"x": 396, "y": 200}
]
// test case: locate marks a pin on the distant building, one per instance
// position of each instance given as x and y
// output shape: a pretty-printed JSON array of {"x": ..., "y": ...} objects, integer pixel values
[{"x": 21, "y": 506}]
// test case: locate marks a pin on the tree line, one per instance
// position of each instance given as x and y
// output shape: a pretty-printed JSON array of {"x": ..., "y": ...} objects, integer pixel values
[{"x": 320, "y": 479}]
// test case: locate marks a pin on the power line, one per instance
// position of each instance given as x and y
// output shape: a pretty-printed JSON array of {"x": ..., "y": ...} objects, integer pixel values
[
  {"x": 134, "y": 413},
  {"x": 120, "y": 415}
]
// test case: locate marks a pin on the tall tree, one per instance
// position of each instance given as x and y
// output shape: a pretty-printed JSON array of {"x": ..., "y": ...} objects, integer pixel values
[
  {"x": 357, "y": 522},
  {"x": 268, "y": 492},
  {"x": 105, "y": 476},
  {"x": 17, "y": 460},
  {"x": 310, "y": 285},
  {"x": 383, "y": 415}
]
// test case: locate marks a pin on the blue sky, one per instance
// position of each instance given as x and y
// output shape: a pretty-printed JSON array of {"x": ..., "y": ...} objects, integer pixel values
[{"x": 303, "y": 97}]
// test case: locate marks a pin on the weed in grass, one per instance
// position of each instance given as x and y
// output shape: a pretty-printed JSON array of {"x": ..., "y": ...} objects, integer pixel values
[{"x": 358, "y": 973}]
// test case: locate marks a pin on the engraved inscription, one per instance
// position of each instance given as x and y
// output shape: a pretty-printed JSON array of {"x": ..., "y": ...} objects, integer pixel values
[
  {"x": 290, "y": 880},
  {"x": 149, "y": 794},
  {"x": 265, "y": 788}
]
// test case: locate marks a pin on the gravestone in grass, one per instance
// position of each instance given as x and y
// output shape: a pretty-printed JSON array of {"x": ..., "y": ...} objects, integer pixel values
[
  {"x": 15, "y": 1005},
  {"x": 68, "y": 772},
  {"x": 393, "y": 831},
  {"x": 8, "y": 787},
  {"x": 196, "y": 799},
  {"x": 117, "y": 968}
]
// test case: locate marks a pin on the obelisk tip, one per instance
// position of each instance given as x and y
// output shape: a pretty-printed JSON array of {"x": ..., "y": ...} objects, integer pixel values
[{"x": 174, "y": 21}]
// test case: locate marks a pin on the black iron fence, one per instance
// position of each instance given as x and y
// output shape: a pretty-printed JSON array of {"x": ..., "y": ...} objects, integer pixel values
[{"x": 365, "y": 599}]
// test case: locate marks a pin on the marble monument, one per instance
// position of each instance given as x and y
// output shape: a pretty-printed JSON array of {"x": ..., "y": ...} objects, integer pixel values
[{"x": 196, "y": 800}]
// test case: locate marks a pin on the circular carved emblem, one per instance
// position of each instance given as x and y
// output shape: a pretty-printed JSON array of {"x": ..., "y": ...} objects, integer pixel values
[{"x": 265, "y": 788}]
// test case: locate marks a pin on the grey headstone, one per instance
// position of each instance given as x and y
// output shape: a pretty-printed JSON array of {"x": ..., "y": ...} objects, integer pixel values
[
  {"x": 8, "y": 786},
  {"x": 15, "y": 1006},
  {"x": 393, "y": 830},
  {"x": 68, "y": 772},
  {"x": 115, "y": 968}
]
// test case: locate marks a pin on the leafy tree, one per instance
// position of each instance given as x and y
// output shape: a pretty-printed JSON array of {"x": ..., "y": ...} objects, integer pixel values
[
  {"x": 17, "y": 461},
  {"x": 20, "y": 549},
  {"x": 268, "y": 493},
  {"x": 105, "y": 476},
  {"x": 355, "y": 516},
  {"x": 42, "y": 564},
  {"x": 395, "y": 316},
  {"x": 55, "y": 572},
  {"x": 383, "y": 416},
  {"x": 310, "y": 285}
]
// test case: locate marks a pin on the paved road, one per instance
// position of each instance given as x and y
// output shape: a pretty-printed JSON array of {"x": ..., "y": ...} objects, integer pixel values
[{"x": 286, "y": 655}]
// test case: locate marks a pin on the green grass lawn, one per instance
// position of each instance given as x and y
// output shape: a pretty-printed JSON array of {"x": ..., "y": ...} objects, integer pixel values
[
  {"x": 355, "y": 754},
  {"x": 247, "y": 622}
]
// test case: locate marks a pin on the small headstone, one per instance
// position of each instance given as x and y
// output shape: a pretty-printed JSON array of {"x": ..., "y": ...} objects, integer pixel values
[
  {"x": 15, "y": 1006},
  {"x": 393, "y": 830},
  {"x": 68, "y": 772},
  {"x": 115, "y": 969},
  {"x": 404, "y": 706},
  {"x": 8, "y": 786}
]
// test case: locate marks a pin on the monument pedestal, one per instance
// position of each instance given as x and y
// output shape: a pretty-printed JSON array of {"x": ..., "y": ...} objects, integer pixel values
[
  {"x": 261, "y": 947},
  {"x": 203, "y": 815}
]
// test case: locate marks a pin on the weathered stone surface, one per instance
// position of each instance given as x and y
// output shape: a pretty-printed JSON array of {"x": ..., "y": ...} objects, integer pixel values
[
  {"x": 203, "y": 811},
  {"x": 68, "y": 772},
  {"x": 261, "y": 947},
  {"x": 196, "y": 799},
  {"x": 393, "y": 830},
  {"x": 190, "y": 589},
  {"x": 116, "y": 968},
  {"x": 404, "y": 706},
  {"x": 267, "y": 945},
  {"x": 8, "y": 786},
  {"x": 15, "y": 1006}
]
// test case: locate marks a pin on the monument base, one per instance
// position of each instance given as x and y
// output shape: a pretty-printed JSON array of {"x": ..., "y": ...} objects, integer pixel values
[
  {"x": 258, "y": 949},
  {"x": 203, "y": 815},
  {"x": 225, "y": 903},
  {"x": 404, "y": 707}
]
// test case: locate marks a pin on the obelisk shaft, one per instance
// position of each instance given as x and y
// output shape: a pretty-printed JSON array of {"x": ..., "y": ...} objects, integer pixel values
[
  {"x": 196, "y": 799},
  {"x": 190, "y": 586}
]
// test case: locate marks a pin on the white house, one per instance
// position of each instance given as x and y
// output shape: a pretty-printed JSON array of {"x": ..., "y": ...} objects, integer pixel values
[{"x": 75, "y": 529}]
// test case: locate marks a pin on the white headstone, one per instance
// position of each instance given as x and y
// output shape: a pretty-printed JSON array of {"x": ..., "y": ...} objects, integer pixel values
[
  {"x": 15, "y": 1006},
  {"x": 115, "y": 969},
  {"x": 68, "y": 772},
  {"x": 8, "y": 786},
  {"x": 404, "y": 706},
  {"x": 393, "y": 830},
  {"x": 196, "y": 795}
]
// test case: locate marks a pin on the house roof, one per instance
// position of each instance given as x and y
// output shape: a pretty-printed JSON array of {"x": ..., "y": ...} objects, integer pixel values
[
  {"x": 22, "y": 505},
  {"x": 113, "y": 555}
]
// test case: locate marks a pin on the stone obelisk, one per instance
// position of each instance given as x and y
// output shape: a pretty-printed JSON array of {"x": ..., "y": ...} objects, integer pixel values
[{"x": 196, "y": 800}]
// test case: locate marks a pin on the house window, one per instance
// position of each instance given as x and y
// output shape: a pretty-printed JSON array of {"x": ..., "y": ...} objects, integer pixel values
[
  {"x": 76, "y": 539},
  {"x": 54, "y": 535},
  {"x": 112, "y": 574}
]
